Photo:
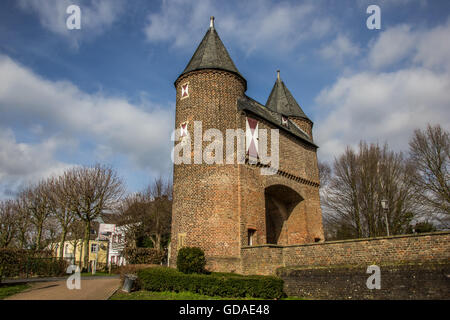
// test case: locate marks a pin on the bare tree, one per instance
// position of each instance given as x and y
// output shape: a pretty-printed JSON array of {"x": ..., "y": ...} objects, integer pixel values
[
  {"x": 61, "y": 205},
  {"x": 132, "y": 217},
  {"x": 147, "y": 214},
  {"x": 160, "y": 193},
  {"x": 92, "y": 190},
  {"x": 51, "y": 233},
  {"x": 23, "y": 220},
  {"x": 324, "y": 173},
  {"x": 35, "y": 199},
  {"x": 75, "y": 236},
  {"x": 429, "y": 152},
  {"x": 360, "y": 181},
  {"x": 8, "y": 225}
]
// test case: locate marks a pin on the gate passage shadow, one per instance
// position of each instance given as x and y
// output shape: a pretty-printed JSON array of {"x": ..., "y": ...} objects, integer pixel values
[{"x": 280, "y": 202}]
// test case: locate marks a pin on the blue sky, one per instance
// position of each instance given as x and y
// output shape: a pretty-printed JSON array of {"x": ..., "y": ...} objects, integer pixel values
[{"x": 105, "y": 93}]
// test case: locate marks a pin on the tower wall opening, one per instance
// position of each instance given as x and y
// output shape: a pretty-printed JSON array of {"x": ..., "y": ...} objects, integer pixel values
[{"x": 280, "y": 202}]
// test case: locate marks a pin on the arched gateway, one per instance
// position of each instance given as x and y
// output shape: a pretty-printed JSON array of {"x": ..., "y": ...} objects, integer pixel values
[
  {"x": 222, "y": 207},
  {"x": 280, "y": 203}
]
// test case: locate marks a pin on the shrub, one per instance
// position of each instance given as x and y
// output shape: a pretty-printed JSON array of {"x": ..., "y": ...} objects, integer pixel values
[
  {"x": 191, "y": 260},
  {"x": 130, "y": 269},
  {"x": 29, "y": 263},
  {"x": 143, "y": 256},
  {"x": 224, "y": 285}
]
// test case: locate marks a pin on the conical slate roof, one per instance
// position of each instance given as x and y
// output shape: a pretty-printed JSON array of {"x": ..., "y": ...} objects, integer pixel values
[
  {"x": 282, "y": 101},
  {"x": 211, "y": 54}
]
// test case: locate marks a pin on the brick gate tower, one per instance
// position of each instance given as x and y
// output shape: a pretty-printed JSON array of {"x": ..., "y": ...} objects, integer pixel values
[{"x": 225, "y": 206}]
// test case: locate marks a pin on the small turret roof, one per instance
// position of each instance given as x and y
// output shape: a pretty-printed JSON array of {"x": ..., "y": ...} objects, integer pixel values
[
  {"x": 282, "y": 101},
  {"x": 211, "y": 54}
]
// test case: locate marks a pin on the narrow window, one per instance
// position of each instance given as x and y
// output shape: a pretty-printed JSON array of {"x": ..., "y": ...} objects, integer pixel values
[
  {"x": 251, "y": 237},
  {"x": 181, "y": 238}
]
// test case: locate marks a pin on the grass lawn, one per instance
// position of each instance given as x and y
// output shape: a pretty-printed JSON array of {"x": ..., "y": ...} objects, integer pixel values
[
  {"x": 10, "y": 289},
  {"x": 150, "y": 295}
]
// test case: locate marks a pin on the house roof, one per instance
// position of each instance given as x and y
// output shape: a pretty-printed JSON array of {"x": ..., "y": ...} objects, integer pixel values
[
  {"x": 248, "y": 104},
  {"x": 211, "y": 54},
  {"x": 282, "y": 101}
]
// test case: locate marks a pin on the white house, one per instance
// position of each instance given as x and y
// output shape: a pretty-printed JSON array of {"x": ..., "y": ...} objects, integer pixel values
[{"x": 116, "y": 237}]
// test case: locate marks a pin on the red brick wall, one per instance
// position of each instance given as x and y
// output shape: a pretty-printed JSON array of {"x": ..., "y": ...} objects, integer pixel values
[
  {"x": 297, "y": 170},
  {"x": 398, "y": 281},
  {"x": 407, "y": 248},
  {"x": 215, "y": 205},
  {"x": 205, "y": 196},
  {"x": 304, "y": 124}
]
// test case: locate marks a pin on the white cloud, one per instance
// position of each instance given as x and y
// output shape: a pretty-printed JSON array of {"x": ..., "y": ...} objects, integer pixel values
[
  {"x": 406, "y": 86},
  {"x": 427, "y": 48},
  {"x": 392, "y": 46},
  {"x": 340, "y": 49},
  {"x": 252, "y": 25},
  {"x": 22, "y": 163},
  {"x": 96, "y": 16},
  {"x": 140, "y": 133},
  {"x": 381, "y": 107}
]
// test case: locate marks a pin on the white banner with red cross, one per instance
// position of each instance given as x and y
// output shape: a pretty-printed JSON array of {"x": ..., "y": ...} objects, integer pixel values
[{"x": 251, "y": 138}]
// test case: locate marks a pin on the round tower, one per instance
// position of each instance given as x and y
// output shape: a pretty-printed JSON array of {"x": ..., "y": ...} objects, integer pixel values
[{"x": 204, "y": 212}]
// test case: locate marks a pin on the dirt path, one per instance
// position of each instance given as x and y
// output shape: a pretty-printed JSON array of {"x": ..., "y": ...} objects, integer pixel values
[{"x": 92, "y": 289}]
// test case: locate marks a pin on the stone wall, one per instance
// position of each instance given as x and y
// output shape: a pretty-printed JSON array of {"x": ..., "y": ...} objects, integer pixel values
[
  {"x": 428, "y": 247},
  {"x": 397, "y": 281}
]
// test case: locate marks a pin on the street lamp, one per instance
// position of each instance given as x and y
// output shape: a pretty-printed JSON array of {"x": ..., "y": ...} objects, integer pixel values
[{"x": 385, "y": 206}]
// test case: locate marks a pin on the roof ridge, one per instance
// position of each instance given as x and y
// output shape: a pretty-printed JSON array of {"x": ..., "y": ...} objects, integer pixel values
[
  {"x": 282, "y": 101},
  {"x": 211, "y": 53}
]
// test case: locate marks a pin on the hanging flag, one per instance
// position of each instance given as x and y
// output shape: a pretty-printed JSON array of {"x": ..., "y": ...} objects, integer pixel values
[{"x": 251, "y": 138}]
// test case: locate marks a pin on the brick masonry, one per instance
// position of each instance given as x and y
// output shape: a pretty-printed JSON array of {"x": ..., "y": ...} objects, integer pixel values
[
  {"x": 214, "y": 206},
  {"x": 397, "y": 281},
  {"x": 420, "y": 248},
  {"x": 412, "y": 267}
]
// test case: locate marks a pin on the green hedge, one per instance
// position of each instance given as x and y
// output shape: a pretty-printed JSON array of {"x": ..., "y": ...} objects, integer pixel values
[
  {"x": 223, "y": 285},
  {"x": 143, "y": 256},
  {"x": 191, "y": 260},
  {"x": 29, "y": 263}
]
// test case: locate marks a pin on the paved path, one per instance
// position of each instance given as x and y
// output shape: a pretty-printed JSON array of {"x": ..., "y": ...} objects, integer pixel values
[{"x": 92, "y": 289}]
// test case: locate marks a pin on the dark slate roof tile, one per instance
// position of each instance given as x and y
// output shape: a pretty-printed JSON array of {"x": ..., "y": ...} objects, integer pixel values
[
  {"x": 211, "y": 54},
  {"x": 282, "y": 101},
  {"x": 248, "y": 104}
]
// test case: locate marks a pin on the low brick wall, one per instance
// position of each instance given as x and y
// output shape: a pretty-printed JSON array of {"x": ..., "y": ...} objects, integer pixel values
[
  {"x": 408, "y": 282},
  {"x": 223, "y": 264},
  {"x": 261, "y": 259},
  {"x": 427, "y": 247}
]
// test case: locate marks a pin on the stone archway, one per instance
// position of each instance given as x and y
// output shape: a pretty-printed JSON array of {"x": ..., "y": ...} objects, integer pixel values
[{"x": 280, "y": 202}]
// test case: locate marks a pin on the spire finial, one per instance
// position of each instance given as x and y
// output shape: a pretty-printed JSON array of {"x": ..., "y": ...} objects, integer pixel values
[
  {"x": 278, "y": 75},
  {"x": 211, "y": 23}
]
